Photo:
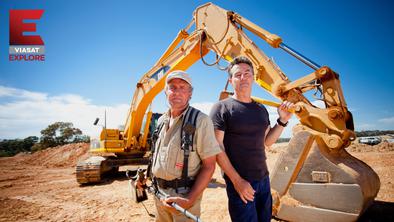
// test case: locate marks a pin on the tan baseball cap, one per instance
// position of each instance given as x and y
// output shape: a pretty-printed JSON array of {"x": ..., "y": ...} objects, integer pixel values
[{"x": 179, "y": 74}]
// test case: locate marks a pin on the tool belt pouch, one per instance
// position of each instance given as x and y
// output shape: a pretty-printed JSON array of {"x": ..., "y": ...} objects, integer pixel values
[
  {"x": 137, "y": 194},
  {"x": 177, "y": 184}
]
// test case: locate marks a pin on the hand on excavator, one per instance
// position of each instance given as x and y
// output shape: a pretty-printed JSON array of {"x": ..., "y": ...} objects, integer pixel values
[
  {"x": 284, "y": 111},
  {"x": 244, "y": 190}
]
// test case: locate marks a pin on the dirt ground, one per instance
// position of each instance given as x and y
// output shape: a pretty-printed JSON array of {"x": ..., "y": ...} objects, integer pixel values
[{"x": 42, "y": 187}]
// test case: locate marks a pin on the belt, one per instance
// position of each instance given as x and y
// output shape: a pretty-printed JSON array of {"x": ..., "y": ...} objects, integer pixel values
[{"x": 177, "y": 183}]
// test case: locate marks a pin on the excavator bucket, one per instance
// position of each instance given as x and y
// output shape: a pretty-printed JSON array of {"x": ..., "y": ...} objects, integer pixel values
[{"x": 311, "y": 182}]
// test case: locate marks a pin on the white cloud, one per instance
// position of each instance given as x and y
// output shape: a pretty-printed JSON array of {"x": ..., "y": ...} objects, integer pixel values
[
  {"x": 389, "y": 120},
  {"x": 319, "y": 104},
  {"x": 352, "y": 110},
  {"x": 272, "y": 110},
  {"x": 205, "y": 107},
  {"x": 365, "y": 126},
  {"x": 287, "y": 132},
  {"x": 21, "y": 94},
  {"x": 25, "y": 113}
]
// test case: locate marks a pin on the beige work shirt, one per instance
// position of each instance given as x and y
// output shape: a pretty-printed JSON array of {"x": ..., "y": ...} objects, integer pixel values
[{"x": 168, "y": 156}]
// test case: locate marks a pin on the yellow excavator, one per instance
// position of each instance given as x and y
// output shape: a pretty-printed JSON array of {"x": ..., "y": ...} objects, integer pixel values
[{"x": 315, "y": 179}]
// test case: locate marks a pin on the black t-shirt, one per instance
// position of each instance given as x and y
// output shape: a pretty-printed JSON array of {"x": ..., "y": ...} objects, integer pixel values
[{"x": 244, "y": 126}]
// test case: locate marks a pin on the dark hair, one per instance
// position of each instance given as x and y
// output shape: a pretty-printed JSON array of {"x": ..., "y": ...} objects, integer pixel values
[{"x": 236, "y": 61}]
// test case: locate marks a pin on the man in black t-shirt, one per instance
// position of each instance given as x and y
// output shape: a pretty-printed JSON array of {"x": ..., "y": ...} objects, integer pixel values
[{"x": 242, "y": 129}]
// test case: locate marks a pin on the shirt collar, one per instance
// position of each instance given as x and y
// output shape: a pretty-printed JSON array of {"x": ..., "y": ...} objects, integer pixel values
[{"x": 168, "y": 114}]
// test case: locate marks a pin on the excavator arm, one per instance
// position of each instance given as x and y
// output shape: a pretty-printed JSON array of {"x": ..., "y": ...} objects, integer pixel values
[
  {"x": 315, "y": 177},
  {"x": 153, "y": 82},
  {"x": 221, "y": 31}
]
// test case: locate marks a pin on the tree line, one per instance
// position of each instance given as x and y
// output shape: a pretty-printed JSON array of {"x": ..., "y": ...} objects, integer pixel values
[
  {"x": 374, "y": 133},
  {"x": 61, "y": 133},
  {"x": 58, "y": 133},
  {"x": 358, "y": 134}
]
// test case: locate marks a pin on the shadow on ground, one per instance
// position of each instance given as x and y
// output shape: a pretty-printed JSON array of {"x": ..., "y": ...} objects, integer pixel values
[
  {"x": 378, "y": 211},
  {"x": 108, "y": 179}
]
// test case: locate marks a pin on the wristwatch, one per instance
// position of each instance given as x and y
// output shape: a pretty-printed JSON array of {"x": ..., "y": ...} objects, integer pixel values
[{"x": 282, "y": 124}]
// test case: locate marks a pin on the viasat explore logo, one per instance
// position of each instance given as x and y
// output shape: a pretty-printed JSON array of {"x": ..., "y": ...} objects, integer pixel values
[{"x": 25, "y": 47}]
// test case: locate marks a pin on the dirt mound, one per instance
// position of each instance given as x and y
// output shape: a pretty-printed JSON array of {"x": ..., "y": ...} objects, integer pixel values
[
  {"x": 381, "y": 147},
  {"x": 59, "y": 156}
]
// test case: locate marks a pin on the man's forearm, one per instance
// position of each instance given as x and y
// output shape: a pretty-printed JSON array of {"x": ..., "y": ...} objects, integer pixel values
[
  {"x": 223, "y": 160},
  {"x": 202, "y": 180},
  {"x": 227, "y": 167},
  {"x": 273, "y": 135}
]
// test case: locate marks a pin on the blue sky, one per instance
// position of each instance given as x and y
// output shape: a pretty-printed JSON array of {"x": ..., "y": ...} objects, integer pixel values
[{"x": 96, "y": 51}]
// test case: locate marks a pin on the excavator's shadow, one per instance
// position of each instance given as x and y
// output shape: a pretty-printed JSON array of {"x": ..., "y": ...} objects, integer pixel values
[
  {"x": 378, "y": 211},
  {"x": 108, "y": 178}
]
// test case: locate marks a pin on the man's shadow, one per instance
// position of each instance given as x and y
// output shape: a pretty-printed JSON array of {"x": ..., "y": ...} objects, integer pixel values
[{"x": 378, "y": 211}]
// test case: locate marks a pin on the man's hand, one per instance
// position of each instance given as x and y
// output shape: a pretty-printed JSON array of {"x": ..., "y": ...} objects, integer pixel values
[
  {"x": 244, "y": 189},
  {"x": 283, "y": 111},
  {"x": 183, "y": 202}
]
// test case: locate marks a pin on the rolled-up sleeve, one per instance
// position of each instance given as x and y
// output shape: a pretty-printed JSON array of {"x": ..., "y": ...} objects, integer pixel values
[
  {"x": 207, "y": 144},
  {"x": 217, "y": 116}
]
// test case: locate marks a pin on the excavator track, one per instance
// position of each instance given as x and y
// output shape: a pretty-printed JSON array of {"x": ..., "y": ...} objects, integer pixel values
[
  {"x": 93, "y": 169},
  {"x": 90, "y": 170}
]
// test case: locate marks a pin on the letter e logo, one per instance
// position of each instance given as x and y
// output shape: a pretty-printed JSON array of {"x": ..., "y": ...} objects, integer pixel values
[{"x": 17, "y": 27}]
